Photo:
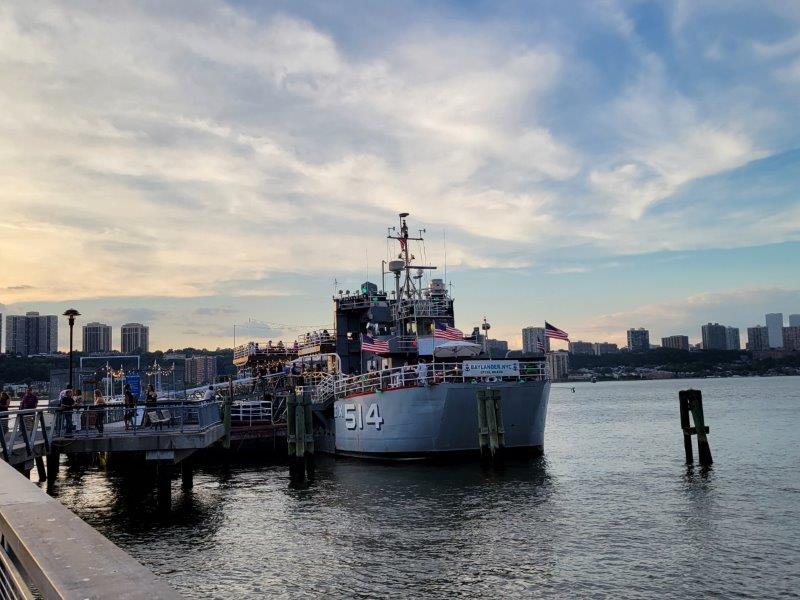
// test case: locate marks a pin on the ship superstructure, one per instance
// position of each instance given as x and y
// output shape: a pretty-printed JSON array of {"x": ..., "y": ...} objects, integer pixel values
[{"x": 398, "y": 380}]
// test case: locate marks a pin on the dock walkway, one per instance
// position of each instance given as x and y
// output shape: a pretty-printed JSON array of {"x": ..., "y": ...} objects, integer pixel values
[{"x": 48, "y": 546}]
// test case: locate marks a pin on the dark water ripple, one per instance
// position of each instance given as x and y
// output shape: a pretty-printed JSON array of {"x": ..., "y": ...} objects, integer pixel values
[{"x": 609, "y": 511}]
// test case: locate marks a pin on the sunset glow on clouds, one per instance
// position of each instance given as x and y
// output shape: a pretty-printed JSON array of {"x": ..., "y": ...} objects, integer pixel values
[{"x": 212, "y": 162}]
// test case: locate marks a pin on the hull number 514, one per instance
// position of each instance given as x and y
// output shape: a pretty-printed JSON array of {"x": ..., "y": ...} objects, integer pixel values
[{"x": 355, "y": 419}]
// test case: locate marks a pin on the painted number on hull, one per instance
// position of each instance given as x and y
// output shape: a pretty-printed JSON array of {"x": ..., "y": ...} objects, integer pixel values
[{"x": 354, "y": 418}]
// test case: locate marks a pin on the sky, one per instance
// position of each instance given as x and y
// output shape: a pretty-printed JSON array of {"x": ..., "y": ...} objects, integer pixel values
[{"x": 199, "y": 165}]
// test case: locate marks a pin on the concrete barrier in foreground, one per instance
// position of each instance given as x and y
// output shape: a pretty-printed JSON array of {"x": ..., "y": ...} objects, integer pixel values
[{"x": 62, "y": 555}]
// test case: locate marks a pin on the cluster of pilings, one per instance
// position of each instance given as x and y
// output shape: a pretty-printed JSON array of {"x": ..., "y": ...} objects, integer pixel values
[
  {"x": 491, "y": 435},
  {"x": 300, "y": 436}
]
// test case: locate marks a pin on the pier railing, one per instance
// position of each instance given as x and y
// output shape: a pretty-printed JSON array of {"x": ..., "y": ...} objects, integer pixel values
[
  {"x": 408, "y": 376},
  {"x": 30, "y": 432},
  {"x": 44, "y": 545}
]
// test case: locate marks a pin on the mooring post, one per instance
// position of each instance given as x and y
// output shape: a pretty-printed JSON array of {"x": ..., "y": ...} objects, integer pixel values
[
  {"x": 683, "y": 401},
  {"x": 703, "y": 448},
  {"x": 164, "y": 482},
  {"x": 309, "y": 431},
  {"x": 40, "y": 469},
  {"x": 226, "y": 417},
  {"x": 187, "y": 474},
  {"x": 291, "y": 432},
  {"x": 53, "y": 460},
  {"x": 483, "y": 430}
]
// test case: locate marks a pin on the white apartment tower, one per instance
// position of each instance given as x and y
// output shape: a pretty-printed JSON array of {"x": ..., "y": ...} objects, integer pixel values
[
  {"x": 531, "y": 339},
  {"x": 775, "y": 329},
  {"x": 134, "y": 338}
]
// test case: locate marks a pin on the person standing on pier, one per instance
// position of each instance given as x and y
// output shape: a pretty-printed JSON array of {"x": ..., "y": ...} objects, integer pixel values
[
  {"x": 5, "y": 405},
  {"x": 29, "y": 401},
  {"x": 67, "y": 404},
  {"x": 99, "y": 411},
  {"x": 77, "y": 397},
  {"x": 130, "y": 407}
]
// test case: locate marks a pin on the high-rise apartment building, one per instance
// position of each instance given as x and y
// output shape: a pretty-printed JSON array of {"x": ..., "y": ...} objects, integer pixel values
[
  {"x": 579, "y": 347},
  {"x": 497, "y": 348},
  {"x": 558, "y": 363},
  {"x": 31, "y": 334},
  {"x": 134, "y": 338},
  {"x": 96, "y": 338},
  {"x": 775, "y": 329},
  {"x": 794, "y": 320},
  {"x": 757, "y": 338},
  {"x": 604, "y": 348},
  {"x": 638, "y": 340},
  {"x": 791, "y": 338},
  {"x": 715, "y": 337},
  {"x": 531, "y": 339},
  {"x": 675, "y": 342},
  {"x": 200, "y": 370},
  {"x": 732, "y": 340}
]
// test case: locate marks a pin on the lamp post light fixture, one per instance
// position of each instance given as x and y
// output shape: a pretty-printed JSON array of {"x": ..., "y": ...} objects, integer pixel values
[{"x": 71, "y": 314}]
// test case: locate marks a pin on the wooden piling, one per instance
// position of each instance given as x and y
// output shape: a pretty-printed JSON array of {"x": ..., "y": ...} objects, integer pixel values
[
  {"x": 703, "y": 447},
  {"x": 53, "y": 462},
  {"x": 491, "y": 435},
  {"x": 683, "y": 401},
  {"x": 164, "y": 483},
  {"x": 187, "y": 474},
  {"x": 40, "y": 470},
  {"x": 691, "y": 402},
  {"x": 308, "y": 457}
]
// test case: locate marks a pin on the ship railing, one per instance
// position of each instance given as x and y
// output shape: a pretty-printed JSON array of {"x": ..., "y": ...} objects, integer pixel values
[
  {"x": 247, "y": 413},
  {"x": 311, "y": 340},
  {"x": 405, "y": 343},
  {"x": 408, "y": 376},
  {"x": 422, "y": 308}
]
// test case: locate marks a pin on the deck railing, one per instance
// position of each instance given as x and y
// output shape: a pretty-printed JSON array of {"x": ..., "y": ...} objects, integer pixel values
[
  {"x": 408, "y": 376},
  {"x": 24, "y": 430}
]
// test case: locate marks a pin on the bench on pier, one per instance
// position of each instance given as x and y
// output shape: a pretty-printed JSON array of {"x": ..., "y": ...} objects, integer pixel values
[{"x": 159, "y": 418}]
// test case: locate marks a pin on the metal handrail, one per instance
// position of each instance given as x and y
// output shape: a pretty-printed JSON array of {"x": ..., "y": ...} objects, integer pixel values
[
  {"x": 407, "y": 376},
  {"x": 48, "y": 424}
]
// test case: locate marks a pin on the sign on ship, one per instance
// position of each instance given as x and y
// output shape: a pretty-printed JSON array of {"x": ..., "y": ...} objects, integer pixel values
[{"x": 491, "y": 368}]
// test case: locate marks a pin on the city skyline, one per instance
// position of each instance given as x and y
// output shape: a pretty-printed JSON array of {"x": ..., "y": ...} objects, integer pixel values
[{"x": 625, "y": 165}]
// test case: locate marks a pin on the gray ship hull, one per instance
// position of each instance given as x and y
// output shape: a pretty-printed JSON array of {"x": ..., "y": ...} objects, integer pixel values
[{"x": 438, "y": 420}]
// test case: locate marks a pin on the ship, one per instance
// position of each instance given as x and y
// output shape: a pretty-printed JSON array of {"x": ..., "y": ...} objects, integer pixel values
[{"x": 396, "y": 379}]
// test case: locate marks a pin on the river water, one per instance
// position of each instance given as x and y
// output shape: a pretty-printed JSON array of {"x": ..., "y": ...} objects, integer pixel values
[{"x": 610, "y": 510}]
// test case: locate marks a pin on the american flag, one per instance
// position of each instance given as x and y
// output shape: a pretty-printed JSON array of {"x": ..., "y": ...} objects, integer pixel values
[
  {"x": 445, "y": 332},
  {"x": 540, "y": 345},
  {"x": 552, "y": 331},
  {"x": 369, "y": 344}
]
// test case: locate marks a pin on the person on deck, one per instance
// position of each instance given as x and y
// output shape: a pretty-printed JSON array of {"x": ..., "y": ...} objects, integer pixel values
[
  {"x": 422, "y": 372},
  {"x": 99, "y": 411},
  {"x": 29, "y": 401},
  {"x": 5, "y": 405},
  {"x": 67, "y": 404},
  {"x": 209, "y": 395},
  {"x": 77, "y": 397},
  {"x": 150, "y": 403},
  {"x": 130, "y": 407}
]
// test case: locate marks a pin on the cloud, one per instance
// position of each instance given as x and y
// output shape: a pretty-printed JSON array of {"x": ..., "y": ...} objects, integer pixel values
[
  {"x": 173, "y": 152},
  {"x": 739, "y": 308},
  {"x": 214, "y": 311},
  {"x": 123, "y": 315}
]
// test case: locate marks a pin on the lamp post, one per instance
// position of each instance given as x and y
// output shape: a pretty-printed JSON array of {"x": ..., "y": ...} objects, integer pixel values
[{"x": 71, "y": 314}]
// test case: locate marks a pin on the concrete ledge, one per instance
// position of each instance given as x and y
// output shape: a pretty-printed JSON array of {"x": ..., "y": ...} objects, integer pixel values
[{"x": 61, "y": 554}]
